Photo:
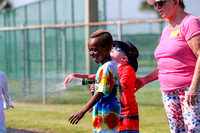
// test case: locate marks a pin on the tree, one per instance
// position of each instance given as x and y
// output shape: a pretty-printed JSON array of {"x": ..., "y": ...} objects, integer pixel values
[
  {"x": 146, "y": 7},
  {"x": 5, "y": 4}
]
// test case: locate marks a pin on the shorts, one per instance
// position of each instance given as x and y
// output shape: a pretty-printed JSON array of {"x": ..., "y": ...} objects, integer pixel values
[{"x": 129, "y": 124}]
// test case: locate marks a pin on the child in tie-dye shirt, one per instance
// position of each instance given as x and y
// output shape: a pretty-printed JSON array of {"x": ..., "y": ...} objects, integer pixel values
[
  {"x": 105, "y": 103},
  {"x": 107, "y": 110}
]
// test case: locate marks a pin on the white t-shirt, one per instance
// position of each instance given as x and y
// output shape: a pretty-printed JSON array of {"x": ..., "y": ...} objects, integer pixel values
[{"x": 5, "y": 102}]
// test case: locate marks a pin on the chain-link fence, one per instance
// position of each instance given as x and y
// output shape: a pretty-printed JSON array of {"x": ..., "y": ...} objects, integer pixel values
[
  {"x": 38, "y": 58},
  {"x": 38, "y": 50}
]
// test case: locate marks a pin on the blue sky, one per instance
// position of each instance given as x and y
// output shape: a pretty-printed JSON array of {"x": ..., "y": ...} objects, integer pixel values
[
  {"x": 21, "y": 2},
  {"x": 130, "y": 9}
]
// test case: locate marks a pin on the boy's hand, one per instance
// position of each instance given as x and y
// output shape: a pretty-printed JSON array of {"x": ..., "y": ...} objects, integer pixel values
[
  {"x": 91, "y": 88},
  {"x": 74, "y": 119},
  {"x": 139, "y": 83},
  {"x": 122, "y": 87},
  {"x": 69, "y": 79}
]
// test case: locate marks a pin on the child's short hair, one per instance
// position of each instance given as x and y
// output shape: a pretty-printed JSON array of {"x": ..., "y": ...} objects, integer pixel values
[
  {"x": 131, "y": 52},
  {"x": 105, "y": 38}
]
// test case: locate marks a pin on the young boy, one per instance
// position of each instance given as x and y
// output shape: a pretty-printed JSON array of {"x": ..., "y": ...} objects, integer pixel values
[
  {"x": 125, "y": 54},
  {"x": 105, "y": 103}
]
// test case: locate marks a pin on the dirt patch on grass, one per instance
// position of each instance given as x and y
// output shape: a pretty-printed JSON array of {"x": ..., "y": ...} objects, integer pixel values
[{"x": 12, "y": 130}]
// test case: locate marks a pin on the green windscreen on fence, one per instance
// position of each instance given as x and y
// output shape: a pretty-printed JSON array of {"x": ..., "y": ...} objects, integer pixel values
[{"x": 22, "y": 54}]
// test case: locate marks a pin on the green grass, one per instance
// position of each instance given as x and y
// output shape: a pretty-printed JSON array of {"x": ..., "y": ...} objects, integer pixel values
[
  {"x": 149, "y": 96},
  {"x": 48, "y": 118},
  {"x": 53, "y": 117}
]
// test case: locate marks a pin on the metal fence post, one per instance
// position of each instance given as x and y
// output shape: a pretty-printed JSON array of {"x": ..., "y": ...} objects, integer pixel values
[
  {"x": 63, "y": 49},
  {"x": 119, "y": 30},
  {"x": 87, "y": 59},
  {"x": 23, "y": 61},
  {"x": 43, "y": 66}
]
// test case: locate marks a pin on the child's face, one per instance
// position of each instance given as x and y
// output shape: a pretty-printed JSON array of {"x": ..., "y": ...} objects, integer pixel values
[
  {"x": 96, "y": 51},
  {"x": 116, "y": 54}
]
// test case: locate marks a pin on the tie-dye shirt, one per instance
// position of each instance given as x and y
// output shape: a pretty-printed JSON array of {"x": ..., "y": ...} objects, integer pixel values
[{"x": 106, "y": 112}]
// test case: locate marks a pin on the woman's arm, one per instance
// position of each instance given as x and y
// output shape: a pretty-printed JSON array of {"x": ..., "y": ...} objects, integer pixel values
[
  {"x": 140, "y": 82},
  {"x": 74, "y": 119},
  {"x": 192, "y": 97}
]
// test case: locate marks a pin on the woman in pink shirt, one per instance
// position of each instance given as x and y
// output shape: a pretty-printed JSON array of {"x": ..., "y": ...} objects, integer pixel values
[{"x": 178, "y": 56}]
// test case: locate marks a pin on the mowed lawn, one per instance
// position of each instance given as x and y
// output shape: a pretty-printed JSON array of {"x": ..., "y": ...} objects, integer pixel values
[{"x": 53, "y": 118}]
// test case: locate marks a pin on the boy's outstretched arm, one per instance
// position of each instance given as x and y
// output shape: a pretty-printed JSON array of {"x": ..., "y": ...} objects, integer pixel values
[
  {"x": 77, "y": 75},
  {"x": 74, "y": 119},
  {"x": 140, "y": 82}
]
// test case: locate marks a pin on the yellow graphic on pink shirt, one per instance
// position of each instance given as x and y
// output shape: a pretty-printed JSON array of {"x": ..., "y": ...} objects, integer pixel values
[{"x": 175, "y": 33}]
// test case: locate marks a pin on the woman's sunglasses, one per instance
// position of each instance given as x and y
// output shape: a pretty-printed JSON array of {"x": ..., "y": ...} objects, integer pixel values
[{"x": 159, "y": 3}]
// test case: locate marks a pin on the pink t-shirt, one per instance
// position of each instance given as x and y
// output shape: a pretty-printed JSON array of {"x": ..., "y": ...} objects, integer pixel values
[{"x": 176, "y": 61}]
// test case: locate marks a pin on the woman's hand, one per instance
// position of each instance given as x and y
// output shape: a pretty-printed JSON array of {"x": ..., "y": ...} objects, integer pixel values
[{"x": 192, "y": 96}]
